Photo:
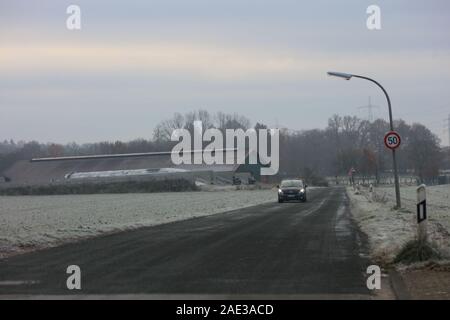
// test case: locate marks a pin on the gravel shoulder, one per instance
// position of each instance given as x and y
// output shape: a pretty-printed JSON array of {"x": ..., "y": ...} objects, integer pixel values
[
  {"x": 427, "y": 281},
  {"x": 33, "y": 222}
]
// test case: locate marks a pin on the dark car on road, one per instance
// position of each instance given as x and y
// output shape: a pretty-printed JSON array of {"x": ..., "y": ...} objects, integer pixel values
[{"x": 294, "y": 189}]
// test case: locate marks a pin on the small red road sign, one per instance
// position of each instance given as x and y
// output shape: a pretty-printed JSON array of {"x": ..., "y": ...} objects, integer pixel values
[
  {"x": 351, "y": 171},
  {"x": 392, "y": 140}
]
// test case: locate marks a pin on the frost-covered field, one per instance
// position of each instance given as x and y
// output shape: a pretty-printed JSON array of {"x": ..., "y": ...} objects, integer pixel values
[
  {"x": 438, "y": 202},
  {"x": 388, "y": 230},
  {"x": 31, "y": 222}
]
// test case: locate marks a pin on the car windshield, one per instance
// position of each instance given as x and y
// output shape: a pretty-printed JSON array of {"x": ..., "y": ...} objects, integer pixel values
[{"x": 292, "y": 183}]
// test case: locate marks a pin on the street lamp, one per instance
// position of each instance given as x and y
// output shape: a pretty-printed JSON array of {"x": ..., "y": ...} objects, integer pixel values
[{"x": 348, "y": 76}]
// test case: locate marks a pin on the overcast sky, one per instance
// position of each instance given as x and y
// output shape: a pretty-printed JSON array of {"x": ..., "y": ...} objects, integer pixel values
[{"x": 135, "y": 63}]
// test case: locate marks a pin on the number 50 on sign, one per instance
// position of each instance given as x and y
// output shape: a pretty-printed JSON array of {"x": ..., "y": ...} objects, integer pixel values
[{"x": 392, "y": 140}]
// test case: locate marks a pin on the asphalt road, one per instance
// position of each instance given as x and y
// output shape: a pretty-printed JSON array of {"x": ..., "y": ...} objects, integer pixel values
[{"x": 308, "y": 249}]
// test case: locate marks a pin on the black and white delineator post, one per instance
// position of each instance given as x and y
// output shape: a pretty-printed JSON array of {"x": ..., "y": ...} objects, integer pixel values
[{"x": 422, "y": 213}]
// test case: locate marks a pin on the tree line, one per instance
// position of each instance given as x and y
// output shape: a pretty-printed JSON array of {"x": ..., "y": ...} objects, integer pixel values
[{"x": 346, "y": 142}]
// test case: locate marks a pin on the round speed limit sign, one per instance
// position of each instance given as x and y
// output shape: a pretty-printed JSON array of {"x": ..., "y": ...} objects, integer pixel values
[{"x": 392, "y": 140}]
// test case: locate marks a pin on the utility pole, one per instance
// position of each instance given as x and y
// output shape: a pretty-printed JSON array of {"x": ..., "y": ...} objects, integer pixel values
[
  {"x": 448, "y": 129},
  {"x": 369, "y": 107}
]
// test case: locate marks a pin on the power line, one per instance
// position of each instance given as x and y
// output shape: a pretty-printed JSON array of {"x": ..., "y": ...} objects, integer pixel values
[
  {"x": 369, "y": 107},
  {"x": 447, "y": 126}
]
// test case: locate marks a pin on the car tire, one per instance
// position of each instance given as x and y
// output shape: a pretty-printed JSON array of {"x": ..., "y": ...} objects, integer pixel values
[{"x": 280, "y": 201}]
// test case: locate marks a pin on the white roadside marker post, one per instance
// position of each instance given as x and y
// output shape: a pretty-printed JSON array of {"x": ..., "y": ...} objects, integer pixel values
[{"x": 422, "y": 213}]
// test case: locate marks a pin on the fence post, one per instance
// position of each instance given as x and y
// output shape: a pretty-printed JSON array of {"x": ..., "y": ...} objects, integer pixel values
[{"x": 422, "y": 213}]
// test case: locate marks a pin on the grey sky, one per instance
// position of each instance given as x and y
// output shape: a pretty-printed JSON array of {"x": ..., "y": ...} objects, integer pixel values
[{"x": 135, "y": 63}]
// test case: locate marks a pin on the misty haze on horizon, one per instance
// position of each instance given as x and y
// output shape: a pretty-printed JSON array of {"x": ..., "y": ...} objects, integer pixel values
[{"x": 135, "y": 64}]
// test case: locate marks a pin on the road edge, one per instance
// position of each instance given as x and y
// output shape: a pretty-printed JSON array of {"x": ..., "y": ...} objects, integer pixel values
[{"x": 398, "y": 285}]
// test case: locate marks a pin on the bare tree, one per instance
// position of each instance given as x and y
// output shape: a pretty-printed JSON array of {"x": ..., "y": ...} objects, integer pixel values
[{"x": 423, "y": 152}]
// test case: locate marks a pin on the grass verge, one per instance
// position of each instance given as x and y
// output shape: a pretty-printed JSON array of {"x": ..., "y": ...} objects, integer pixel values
[
  {"x": 417, "y": 251},
  {"x": 172, "y": 185}
]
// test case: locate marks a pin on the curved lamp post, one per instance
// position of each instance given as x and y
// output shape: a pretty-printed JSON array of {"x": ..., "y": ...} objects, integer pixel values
[{"x": 348, "y": 76}]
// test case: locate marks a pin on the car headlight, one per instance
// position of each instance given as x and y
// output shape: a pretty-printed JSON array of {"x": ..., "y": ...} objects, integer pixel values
[
  {"x": 302, "y": 190},
  {"x": 280, "y": 191}
]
